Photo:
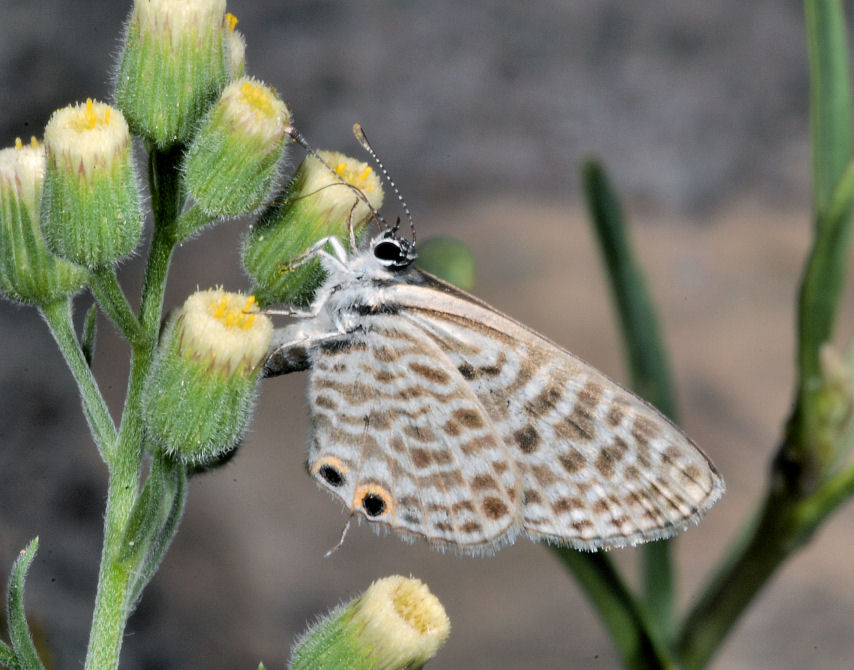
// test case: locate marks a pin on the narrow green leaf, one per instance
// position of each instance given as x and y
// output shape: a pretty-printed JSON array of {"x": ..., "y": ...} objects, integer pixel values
[
  {"x": 87, "y": 343},
  {"x": 168, "y": 519},
  {"x": 830, "y": 96},
  {"x": 19, "y": 631},
  {"x": 649, "y": 370},
  {"x": 144, "y": 517}
]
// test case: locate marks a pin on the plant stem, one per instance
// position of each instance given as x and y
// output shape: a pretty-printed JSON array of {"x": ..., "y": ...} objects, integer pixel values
[
  {"x": 115, "y": 598},
  {"x": 801, "y": 493},
  {"x": 636, "y": 640},
  {"x": 57, "y": 315},
  {"x": 824, "y": 276},
  {"x": 784, "y": 525},
  {"x": 111, "y": 602},
  {"x": 111, "y": 298}
]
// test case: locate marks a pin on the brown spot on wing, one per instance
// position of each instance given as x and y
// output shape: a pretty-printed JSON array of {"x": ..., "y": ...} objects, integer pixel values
[
  {"x": 397, "y": 444},
  {"x": 644, "y": 430},
  {"x": 616, "y": 412},
  {"x": 546, "y": 399},
  {"x": 421, "y": 458},
  {"x": 462, "y": 506},
  {"x": 609, "y": 456},
  {"x": 356, "y": 393},
  {"x": 543, "y": 475},
  {"x": 467, "y": 371},
  {"x": 470, "y": 418},
  {"x": 564, "y": 505},
  {"x": 420, "y": 433},
  {"x": 481, "y": 482},
  {"x": 577, "y": 427},
  {"x": 471, "y": 526},
  {"x": 572, "y": 461},
  {"x": 385, "y": 354},
  {"x": 477, "y": 445},
  {"x": 444, "y": 479},
  {"x": 494, "y": 508},
  {"x": 527, "y": 439},
  {"x": 325, "y": 402},
  {"x": 532, "y": 496},
  {"x": 430, "y": 373}
]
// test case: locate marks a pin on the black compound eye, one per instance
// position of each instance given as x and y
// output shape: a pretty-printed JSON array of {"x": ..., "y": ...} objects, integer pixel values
[
  {"x": 331, "y": 475},
  {"x": 374, "y": 504},
  {"x": 389, "y": 251}
]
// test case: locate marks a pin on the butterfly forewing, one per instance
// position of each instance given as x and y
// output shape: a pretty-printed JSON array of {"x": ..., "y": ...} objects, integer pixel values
[{"x": 599, "y": 466}]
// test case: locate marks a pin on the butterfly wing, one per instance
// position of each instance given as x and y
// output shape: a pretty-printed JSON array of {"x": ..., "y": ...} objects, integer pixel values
[
  {"x": 600, "y": 467},
  {"x": 400, "y": 438}
]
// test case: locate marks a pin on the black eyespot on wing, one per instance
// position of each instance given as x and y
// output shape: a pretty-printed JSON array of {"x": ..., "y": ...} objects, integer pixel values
[
  {"x": 374, "y": 504},
  {"x": 331, "y": 475}
]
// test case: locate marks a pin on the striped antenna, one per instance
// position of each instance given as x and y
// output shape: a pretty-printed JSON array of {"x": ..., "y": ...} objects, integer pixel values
[
  {"x": 362, "y": 139},
  {"x": 297, "y": 137}
]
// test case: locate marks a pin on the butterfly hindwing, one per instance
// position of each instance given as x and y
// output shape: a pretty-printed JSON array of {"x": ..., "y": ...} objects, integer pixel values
[{"x": 401, "y": 438}]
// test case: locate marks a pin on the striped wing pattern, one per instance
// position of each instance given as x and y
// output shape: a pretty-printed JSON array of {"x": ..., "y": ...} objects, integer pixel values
[{"x": 441, "y": 418}]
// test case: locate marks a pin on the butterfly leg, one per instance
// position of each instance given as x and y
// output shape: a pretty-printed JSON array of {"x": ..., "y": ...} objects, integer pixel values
[
  {"x": 291, "y": 346},
  {"x": 338, "y": 255}
]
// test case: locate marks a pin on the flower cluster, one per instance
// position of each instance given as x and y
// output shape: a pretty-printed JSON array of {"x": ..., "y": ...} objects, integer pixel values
[{"x": 71, "y": 211}]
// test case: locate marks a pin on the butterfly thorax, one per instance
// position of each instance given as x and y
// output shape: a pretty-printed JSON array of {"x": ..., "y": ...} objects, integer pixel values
[{"x": 361, "y": 284}]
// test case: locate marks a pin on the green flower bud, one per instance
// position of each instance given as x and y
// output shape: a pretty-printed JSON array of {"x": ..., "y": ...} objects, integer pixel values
[
  {"x": 201, "y": 389},
  {"x": 395, "y": 624},
  {"x": 29, "y": 273},
  {"x": 232, "y": 163},
  {"x": 172, "y": 68},
  {"x": 90, "y": 210},
  {"x": 317, "y": 202},
  {"x": 235, "y": 47}
]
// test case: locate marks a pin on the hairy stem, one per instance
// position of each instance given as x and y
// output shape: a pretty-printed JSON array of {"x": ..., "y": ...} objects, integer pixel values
[{"x": 58, "y": 318}]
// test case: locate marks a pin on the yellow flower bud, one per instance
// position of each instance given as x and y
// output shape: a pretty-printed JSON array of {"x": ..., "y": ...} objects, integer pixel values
[
  {"x": 90, "y": 211},
  {"x": 201, "y": 390},
  {"x": 317, "y": 202},
  {"x": 29, "y": 272}
]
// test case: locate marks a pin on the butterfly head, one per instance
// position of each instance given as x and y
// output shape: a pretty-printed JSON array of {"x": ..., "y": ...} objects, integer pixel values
[{"x": 393, "y": 252}]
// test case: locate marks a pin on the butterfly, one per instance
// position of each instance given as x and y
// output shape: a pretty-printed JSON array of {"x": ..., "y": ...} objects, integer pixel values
[{"x": 436, "y": 416}]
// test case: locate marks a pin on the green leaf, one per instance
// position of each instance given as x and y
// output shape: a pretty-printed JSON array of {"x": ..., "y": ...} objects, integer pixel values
[
  {"x": 165, "y": 526},
  {"x": 19, "y": 631},
  {"x": 144, "y": 518},
  {"x": 649, "y": 369}
]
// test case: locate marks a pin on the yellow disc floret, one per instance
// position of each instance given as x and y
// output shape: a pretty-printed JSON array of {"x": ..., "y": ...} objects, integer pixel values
[
  {"x": 402, "y": 620},
  {"x": 225, "y": 328},
  {"x": 87, "y": 137}
]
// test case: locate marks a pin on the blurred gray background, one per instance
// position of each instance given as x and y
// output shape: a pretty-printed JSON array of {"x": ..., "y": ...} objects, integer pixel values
[{"x": 482, "y": 111}]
